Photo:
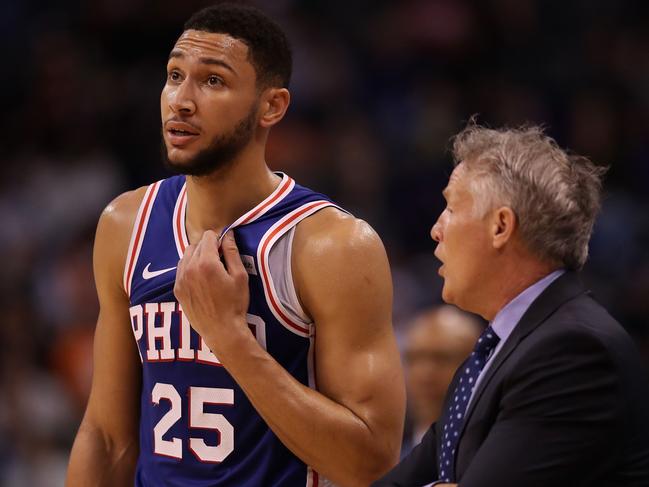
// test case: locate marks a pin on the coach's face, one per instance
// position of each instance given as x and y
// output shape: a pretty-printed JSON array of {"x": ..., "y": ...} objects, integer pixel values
[
  {"x": 463, "y": 244},
  {"x": 209, "y": 99}
]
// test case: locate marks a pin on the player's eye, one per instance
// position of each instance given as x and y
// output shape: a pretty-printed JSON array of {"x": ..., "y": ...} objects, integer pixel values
[
  {"x": 173, "y": 76},
  {"x": 214, "y": 80}
]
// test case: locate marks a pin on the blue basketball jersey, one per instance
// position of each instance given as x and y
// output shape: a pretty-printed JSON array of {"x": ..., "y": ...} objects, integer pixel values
[{"x": 197, "y": 427}]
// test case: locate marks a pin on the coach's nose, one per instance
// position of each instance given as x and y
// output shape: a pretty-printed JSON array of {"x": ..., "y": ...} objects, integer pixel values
[{"x": 436, "y": 231}]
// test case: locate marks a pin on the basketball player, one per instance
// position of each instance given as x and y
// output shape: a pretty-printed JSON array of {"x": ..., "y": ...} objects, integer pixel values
[{"x": 273, "y": 366}]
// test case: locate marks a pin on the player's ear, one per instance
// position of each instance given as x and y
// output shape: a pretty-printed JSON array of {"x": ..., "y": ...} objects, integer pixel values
[{"x": 273, "y": 106}]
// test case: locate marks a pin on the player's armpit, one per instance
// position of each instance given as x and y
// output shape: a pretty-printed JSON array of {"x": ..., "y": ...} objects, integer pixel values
[
  {"x": 106, "y": 447},
  {"x": 343, "y": 280}
]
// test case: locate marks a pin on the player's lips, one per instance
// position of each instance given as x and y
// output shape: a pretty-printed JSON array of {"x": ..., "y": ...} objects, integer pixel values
[{"x": 180, "y": 133}]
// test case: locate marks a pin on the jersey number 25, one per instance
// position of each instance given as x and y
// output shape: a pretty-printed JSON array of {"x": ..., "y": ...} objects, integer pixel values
[{"x": 198, "y": 418}]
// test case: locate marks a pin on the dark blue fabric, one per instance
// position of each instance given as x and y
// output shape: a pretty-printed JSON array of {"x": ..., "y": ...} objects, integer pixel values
[{"x": 456, "y": 407}]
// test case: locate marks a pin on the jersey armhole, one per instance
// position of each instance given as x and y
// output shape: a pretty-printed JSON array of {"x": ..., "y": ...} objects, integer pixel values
[
  {"x": 279, "y": 262},
  {"x": 295, "y": 320}
]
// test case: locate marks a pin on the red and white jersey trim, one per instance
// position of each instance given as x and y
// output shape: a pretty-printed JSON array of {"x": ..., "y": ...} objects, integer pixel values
[
  {"x": 314, "y": 479},
  {"x": 180, "y": 232},
  {"x": 285, "y": 186},
  {"x": 137, "y": 234},
  {"x": 311, "y": 478},
  {"x": 266, "y": 244}
]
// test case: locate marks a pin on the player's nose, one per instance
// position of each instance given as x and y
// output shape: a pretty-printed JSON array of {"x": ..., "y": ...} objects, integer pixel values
[{"x": 182, "y": 100}]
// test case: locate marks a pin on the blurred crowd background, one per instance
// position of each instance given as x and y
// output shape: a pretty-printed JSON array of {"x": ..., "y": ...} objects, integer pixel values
[{"x": 378, "y": 89}]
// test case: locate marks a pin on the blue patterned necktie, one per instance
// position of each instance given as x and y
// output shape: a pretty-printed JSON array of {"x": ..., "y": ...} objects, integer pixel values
[{"x": 453, "y": 417}]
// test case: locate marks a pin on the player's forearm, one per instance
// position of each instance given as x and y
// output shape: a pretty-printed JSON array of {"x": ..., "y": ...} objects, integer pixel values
[
  {"x": 98, "y": 462},
  {"x": 331, "y": 438}
]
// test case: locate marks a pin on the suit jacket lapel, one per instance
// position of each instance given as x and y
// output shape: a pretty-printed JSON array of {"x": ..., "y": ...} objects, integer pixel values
[{"x": 563, "y": 289}]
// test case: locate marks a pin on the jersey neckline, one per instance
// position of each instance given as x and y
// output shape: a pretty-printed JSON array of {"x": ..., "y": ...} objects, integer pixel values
[{"x": 284, "y": 187}]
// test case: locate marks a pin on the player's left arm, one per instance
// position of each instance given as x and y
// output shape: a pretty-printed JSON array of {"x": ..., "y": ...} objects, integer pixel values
[
  {"x": 343, "y": 280},
  {"x": 349, "y": 430}
]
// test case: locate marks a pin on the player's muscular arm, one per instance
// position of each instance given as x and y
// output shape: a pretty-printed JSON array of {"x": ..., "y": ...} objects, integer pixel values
[
  {"x": 106, "y": 447},
  {"x": 343, "y": 280},
  {"x": 350, "y": 429}
]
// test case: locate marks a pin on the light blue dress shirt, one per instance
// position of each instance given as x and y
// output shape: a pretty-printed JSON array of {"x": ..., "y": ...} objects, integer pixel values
[
  {"x": 506, "y": 320},
  {"x": 508, "y": 317}
]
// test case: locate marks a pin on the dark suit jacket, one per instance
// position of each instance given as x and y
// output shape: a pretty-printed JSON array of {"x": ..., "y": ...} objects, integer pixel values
[{"x": 565, "y": 402}]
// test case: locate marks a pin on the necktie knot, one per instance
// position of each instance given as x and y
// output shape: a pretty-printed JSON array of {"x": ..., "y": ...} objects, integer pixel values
[{"x": 486, "y": 343}]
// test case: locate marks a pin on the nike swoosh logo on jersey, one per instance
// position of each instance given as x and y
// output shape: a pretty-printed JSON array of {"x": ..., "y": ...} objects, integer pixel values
[{"x": 147, "y": 274}]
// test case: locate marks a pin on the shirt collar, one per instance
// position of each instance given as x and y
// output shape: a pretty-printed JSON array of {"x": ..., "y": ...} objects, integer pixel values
[{"x": 508, "y": 317}]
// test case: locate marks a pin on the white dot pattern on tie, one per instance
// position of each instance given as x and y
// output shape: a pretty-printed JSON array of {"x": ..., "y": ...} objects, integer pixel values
[{"x": 453, "y": 417}]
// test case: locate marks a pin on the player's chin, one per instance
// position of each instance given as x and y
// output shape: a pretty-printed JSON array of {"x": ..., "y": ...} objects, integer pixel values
[{"x": 179, "y": 156}]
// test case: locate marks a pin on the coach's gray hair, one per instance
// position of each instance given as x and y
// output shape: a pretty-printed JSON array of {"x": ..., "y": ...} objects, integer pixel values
[{"x": 555, "y": 196}]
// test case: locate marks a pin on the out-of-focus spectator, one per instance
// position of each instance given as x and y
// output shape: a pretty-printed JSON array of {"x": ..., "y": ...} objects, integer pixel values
[{"x": 436, "y": 343}]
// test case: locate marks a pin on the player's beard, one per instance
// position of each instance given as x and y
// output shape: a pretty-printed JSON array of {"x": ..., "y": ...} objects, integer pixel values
[{"x": 219, "y": 154}]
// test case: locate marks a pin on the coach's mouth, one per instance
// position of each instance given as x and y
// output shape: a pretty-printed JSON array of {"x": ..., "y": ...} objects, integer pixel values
[{"x": 439, "y": 270}]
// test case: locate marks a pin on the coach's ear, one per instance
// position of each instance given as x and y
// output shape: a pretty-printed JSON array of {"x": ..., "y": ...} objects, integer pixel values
[
  {"x": 503, "y": 223},
  {"x": 273, "y": 106}
]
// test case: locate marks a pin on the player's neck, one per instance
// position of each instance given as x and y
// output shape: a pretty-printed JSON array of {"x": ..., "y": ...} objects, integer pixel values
[{"x": 217, "y": 200}]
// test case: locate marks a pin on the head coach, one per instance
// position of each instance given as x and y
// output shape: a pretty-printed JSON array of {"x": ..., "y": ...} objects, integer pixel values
[{"x": 554, "y": 392}]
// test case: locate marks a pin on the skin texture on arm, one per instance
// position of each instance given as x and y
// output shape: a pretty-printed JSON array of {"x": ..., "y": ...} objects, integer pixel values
[
  {"x": 349, "y": 430},
  {"x": 106, "y": 446}
]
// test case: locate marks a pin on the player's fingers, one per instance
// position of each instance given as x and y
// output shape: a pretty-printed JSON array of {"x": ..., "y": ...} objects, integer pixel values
[
  {"x": 209, "y": 250},
  {"x": 210, "y": 239},
  {"x": 199, "y": 248},
  {"x": 181, "y": 269},
  {"x": 181, "y": 272},
  {"x": 187, "y": 257},
  {"x": 232, "y": 257},
  {"x": 206, "y": 259}
]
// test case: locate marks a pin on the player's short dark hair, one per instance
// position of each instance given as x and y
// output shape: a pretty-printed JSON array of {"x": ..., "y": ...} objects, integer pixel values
[{"x": 269, "y": 50}]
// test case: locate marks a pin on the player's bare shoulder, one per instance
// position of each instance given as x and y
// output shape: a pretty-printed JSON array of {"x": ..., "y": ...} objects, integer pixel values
[
  {"x": 331, "y": 231},
  {"x": 120, "y": 213},
  {"x": 114, "y": 233},
  {"x": 336, "y": 253}
]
